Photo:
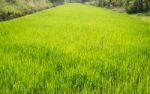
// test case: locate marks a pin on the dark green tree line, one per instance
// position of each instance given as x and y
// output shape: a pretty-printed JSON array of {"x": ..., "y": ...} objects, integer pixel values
[{"x": 130, "y": 5}]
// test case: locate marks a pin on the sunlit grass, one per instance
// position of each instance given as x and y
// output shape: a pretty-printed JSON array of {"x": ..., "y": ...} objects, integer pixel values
[{"x": 75, "y": 48}]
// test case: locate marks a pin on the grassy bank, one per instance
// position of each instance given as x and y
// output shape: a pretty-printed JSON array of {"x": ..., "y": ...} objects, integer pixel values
[
  {"x": 14, "y": 8},
  {"x": 75, "y": 48}
]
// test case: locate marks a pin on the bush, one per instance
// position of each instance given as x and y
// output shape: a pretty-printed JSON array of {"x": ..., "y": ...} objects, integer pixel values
[
  {"x": 10, "y": 9},
  {"x": 131, "y": 8}
]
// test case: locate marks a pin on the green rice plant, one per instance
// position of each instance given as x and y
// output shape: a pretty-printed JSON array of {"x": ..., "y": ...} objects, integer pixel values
[{"x": 75, "y": 49}]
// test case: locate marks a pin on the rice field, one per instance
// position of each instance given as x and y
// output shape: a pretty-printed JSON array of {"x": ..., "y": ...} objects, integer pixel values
[{"x": 75, "y": 49}]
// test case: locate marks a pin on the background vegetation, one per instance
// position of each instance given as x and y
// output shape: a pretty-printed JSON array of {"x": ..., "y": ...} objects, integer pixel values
[
  {"x": 131, "y": 6},
  {"x": 13, "y": 8},
  {"x": 75, "y": 49}
]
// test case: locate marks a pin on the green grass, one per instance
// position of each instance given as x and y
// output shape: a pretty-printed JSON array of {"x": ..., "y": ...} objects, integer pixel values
[
  {"x": 75, "y": 48},
  {"x": 142, "y": 17}
]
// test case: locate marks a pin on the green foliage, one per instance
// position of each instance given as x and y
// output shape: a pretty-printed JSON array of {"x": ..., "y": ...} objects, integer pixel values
[
  {"x": 75, "y": 49},
  {"x": 131, "y": 6},
  {"x": 76, "y": 1},
  {"x": 20, "y": 7},
  {"x": 57, "y": 2},
  {"x": 10, "y": 9}
]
